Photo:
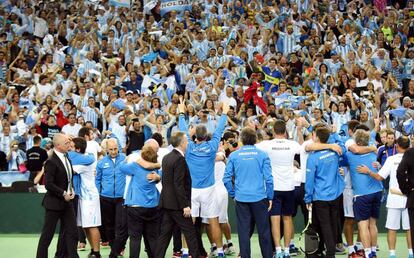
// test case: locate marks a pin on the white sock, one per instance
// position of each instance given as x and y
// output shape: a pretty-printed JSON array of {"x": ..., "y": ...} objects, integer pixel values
[
  {"x": 213, "y": 245},
  {"x": 292, "y": 242},
  {"x": 410, "y": 251},
  {"x": 373, "y": 249},
  {"x": 185, "y": 250},
  {"x": 367, "y": 251},
  {"x": 229, "y": 241},
  {"x": 392, "y": 252},
  {"x": 287, "y": 251},
  {"x": 220, "y": 250},
  {"x": 278, "y": 249},
  {"x": 359, "y": 245},
  {"x": 351, "y": 249}
]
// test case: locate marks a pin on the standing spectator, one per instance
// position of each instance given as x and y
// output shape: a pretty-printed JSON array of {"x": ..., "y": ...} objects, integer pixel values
[
  {"x": 36, "y": 157},
  {"x": 72, "y": 128}
]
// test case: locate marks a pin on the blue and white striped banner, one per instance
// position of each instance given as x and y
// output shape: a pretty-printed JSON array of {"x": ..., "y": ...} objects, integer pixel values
[
  {"x": 120, "y": 3},
  {"x": 174, "y": 5}
]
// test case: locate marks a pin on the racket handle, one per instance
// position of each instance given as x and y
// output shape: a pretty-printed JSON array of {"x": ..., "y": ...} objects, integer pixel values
[{"x": 310, "y": 215}]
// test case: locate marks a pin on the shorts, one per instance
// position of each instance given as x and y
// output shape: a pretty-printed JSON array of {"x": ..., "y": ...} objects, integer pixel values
[
  {"x": 89, "y": 213},
  {"x": 395, "y": 216},
  {"x": 222, "y": 200},
  {"x": 283, "y": 203},
  {"x": 367, "y": 206},
  {"x": 204, "y": 203},
  {"x": 348, "y": 203}
]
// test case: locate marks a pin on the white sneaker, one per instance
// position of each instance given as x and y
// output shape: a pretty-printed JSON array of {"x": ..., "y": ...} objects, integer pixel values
[{"x": 230, "y": 250}]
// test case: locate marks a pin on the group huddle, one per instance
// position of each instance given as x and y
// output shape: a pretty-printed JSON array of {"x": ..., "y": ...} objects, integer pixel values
[{"x": 156, "y": 193}]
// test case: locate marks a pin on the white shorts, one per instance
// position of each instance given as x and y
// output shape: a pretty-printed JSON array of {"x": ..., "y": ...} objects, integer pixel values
[
  {"x": 204, "y": 203},
  {"x": 348, "y": 196},
  {"x": 89, "y": 213},
  {"x": 222, "y": 203},
  {"x": 395, "y": 216}
]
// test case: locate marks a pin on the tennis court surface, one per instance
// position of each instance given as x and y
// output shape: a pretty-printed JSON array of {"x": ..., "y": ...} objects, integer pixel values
[{"x": 24, "y": 246}]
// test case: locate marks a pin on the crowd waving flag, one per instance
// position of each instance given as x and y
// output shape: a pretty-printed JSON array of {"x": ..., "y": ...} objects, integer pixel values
[
  {"x": 174, "y": 5},
  {"x": 120, "y": 3}
]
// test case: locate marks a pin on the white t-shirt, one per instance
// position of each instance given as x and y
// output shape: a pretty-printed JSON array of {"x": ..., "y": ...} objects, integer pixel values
[
  {"x": 71, "y": 130},
  {"x": 93, "y": 147},
  {"x": 303, "y": 161},
  {"x": 281, "y": 153},
  {"x": 347, "y": 178},
  {"x": 389, "y": 169}
]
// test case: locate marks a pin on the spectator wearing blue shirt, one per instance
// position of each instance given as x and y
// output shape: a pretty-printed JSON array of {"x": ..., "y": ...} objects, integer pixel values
[
  {"x": 323, "y": 190},
  {"x": 134, "y": 84},
  {"x": 272, "y": 71},
  {"x": 367, "y": 194},
  {"x": 251, "y": 170}
]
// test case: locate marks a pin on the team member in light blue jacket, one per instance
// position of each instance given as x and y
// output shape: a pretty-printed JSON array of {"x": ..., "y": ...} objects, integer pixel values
[
  {"x": 323, "y": 189},
  {"x": 251, "y": 170},
  {"x": 110, "y": 182},
  {"x": 142, "y": 199},
  {"x": 200, "y": 157},
  {"x": 367, "y": 194}
]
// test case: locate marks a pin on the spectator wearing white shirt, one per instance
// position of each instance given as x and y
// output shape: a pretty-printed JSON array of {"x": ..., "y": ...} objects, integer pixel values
[{"x": 72, "y": 128}]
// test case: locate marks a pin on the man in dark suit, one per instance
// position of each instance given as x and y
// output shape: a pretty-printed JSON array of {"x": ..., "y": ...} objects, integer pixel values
[
  {"x": 175, "y": 199},
  {"x": 405, "y": 176},
  {"x": 58, "y": 199}
]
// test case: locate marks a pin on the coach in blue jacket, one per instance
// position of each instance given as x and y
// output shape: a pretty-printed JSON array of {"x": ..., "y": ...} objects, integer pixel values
[
  {"x": 251, "y": 170},
  {"x": 323, "y": 189},
  {"x": 110, "y": 182}
]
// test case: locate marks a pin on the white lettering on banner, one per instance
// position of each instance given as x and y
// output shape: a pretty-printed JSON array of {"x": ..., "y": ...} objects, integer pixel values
[{"x": 174, "y": 3}]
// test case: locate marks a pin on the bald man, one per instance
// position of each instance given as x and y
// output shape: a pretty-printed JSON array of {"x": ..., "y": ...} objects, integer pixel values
[
  {"x": 110, "y": 182},
  {"x": 58, "y": 199}
]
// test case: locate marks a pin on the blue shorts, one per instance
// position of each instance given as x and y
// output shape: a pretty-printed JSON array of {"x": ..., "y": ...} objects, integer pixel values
[
  {"x": 367, "y": 206},
  {"x": 283, "y": 203}
]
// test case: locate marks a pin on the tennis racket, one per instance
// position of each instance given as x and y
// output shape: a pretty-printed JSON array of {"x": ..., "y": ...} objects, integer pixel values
[{"x": 309, "y": 238}]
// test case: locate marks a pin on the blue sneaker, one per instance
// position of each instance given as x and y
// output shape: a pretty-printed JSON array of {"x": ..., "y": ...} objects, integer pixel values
[
  {"x": 410, "y": 256},
  {"x": 185, "y": 256},
  {"x": 286, "y": 256},
  {"x": 278, "y": 255},
  {"x": 221, "y": 255},
  {"x": 372, "y": 255}
]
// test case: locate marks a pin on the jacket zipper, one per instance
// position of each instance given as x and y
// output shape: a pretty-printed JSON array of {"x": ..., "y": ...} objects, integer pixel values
[{"x": 114, "y": 179}]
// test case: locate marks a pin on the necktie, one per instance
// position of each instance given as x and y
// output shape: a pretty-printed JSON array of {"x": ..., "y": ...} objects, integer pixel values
[{"x": 68, "y": 172}]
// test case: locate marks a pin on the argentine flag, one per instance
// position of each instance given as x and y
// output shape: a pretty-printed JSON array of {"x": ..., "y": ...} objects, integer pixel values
[{"x": 120, "y": 3}]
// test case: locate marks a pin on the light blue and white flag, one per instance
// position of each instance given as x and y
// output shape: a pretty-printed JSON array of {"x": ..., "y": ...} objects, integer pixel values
[
  {"x": 174, "y": 5},
  {"x": 120, "y": 3}
]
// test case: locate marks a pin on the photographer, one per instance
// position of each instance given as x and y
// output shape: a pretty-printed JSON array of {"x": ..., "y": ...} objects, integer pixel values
[{"x": 16, "y": 158}]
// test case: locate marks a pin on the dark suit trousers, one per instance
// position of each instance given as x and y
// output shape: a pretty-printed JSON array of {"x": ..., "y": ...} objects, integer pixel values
[
  {"x": 142, "y": 222},
  {"x": 325, "y": 220},
  {"x": 61, "y": 248},
  {"x": 67, "y": 218},
  {"x": 169, "y": 220},
  {"x": 114, "y": 221},
  {"x": 246, "y": 212},
  {"x": 411, "y": 217}
]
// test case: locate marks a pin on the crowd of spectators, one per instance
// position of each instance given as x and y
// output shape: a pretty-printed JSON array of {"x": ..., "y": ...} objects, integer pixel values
[{"x": 120, "y": 71}]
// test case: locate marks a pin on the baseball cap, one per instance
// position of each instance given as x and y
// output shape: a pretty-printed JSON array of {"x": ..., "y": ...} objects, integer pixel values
[{"x": 129, "y": 92}]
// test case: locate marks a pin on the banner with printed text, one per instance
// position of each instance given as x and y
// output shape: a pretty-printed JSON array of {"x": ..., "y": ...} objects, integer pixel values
[{"x": 174, "y": 5}]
